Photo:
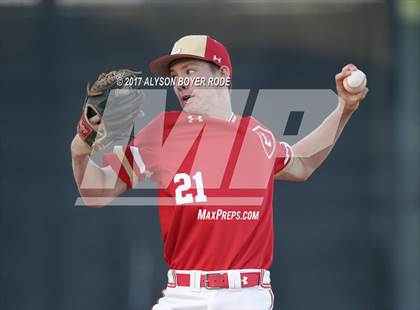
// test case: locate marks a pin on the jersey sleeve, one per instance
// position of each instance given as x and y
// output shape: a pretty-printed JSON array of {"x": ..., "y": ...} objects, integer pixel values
[
  {"x": 140, "y": 158},
  {"x": 284, "y": 158}
]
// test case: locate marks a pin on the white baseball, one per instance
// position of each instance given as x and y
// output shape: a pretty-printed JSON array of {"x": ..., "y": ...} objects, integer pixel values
[{"x": 355, "y": 82}]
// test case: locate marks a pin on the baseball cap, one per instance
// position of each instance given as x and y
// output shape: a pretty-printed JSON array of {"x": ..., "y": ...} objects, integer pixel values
[{"x": 201, "y": 47}]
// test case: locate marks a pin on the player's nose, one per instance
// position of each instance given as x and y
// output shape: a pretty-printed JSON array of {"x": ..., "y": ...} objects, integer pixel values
[{"x": 181, "y": 84}]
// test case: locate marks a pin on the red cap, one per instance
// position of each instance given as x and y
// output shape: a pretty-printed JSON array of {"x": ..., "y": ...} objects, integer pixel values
[{"x": 196, "y": 47}]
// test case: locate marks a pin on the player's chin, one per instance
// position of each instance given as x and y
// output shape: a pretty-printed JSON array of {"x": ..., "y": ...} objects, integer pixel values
[{"x": 193, "y": 108}]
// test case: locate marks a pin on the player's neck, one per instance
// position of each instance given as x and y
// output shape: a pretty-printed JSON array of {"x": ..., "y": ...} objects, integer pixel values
[
  {"x": 222, "y": 106},
  {"x": 222, "y": 114}
]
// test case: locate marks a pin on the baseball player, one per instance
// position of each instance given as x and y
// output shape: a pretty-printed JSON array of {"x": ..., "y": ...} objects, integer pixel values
[{"x": 215, "y": 172}]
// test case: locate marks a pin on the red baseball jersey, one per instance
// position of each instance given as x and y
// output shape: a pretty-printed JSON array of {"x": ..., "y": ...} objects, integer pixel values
[{"x": 215, "y": 183}]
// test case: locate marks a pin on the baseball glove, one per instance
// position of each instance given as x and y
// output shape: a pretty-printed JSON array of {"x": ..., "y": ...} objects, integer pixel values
[{"x": 116, "y": 106}]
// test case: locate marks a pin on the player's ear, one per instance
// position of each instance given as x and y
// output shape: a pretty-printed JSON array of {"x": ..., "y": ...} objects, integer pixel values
[{"x": 224, "y": 71}]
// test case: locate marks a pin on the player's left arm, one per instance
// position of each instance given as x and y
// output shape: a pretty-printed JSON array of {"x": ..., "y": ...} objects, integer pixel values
[{"x": 305, "y": 161}]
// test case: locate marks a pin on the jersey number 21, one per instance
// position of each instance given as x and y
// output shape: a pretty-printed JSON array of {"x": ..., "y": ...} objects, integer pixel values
[{"x": 182, "y": 198}]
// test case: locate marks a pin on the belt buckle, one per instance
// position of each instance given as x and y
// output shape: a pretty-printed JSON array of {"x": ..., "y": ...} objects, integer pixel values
[{"x": 206, "y": 282}]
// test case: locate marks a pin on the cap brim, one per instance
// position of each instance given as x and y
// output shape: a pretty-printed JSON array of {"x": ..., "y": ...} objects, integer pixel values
[{"x": 160, "y": 66}]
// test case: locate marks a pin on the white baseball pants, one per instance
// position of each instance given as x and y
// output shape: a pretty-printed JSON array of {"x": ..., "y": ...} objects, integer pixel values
[{"x": 199, "y": 298}]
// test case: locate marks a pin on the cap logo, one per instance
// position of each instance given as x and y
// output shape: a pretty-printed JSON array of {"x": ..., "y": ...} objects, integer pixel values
[{"x": 218, "y": 59}]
